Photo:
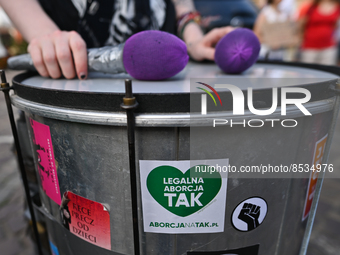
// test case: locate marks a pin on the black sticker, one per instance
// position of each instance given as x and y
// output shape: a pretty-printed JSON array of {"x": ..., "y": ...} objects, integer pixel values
[
  {"x": 250, "y": 250},
  {"x": 249, "y": 214}
]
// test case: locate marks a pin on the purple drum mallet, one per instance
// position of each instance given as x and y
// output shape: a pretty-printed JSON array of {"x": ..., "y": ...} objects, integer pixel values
[
  {"x": 237, "y": 51},
  {"x": 148, "y": 55},
  {"x": 154, "y": 55}
]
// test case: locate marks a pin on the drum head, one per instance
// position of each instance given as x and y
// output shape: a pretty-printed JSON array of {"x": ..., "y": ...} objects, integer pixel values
[{"x": 104, "y": 92}]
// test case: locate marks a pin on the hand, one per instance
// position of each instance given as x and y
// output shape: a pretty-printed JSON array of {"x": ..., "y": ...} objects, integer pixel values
[
  {"x": 59, "y": 53},
  {"x": 250, "y": 214},
  {"x": 204, "y": 47}
]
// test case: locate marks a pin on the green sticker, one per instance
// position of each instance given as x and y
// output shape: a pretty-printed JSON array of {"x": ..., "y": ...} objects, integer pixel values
[{"x": 183, "y": 193}]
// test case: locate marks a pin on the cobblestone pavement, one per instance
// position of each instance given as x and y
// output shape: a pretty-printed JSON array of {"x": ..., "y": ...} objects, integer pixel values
[{"x": 14, "y": 238}]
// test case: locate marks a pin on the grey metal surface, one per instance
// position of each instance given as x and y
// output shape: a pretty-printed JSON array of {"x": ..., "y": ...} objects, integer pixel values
[
  {"x": 57, "y": 235},
  {"x": 321, "y": 176},
  {"x": 13, "y": 228},
  {"x": 92, "y": 165},
  {"x": 92, "y": 162},
  {"x": 180, "y": 83},
  {"x": 165, "y": 120},
  {"x": 101, "y": 175},
  {"x": 283, "y": 229}
]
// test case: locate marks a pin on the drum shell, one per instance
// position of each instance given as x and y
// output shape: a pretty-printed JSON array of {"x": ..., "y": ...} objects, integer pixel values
[
  {"x": 92, "y": 161},
  {"x": 101, "y": 173}
]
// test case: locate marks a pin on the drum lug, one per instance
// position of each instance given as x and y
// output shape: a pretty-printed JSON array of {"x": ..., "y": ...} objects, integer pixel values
[{"x": 130, "y": 104}]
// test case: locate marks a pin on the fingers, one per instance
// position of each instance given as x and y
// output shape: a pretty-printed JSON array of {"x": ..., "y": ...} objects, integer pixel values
[
  {"x": 208, "y": 53},
  {"x": 78, "y": 48},
  {"x": 37, "y": 58},
  {"x": 205, "y": 48},
  {"x": 60, "y": 53},
  {"x": 198, "y": 51},
  {"x": 64, "y": 56},
  {"x": 49, "y": 56},
  {"x": 216, "y": 34}
]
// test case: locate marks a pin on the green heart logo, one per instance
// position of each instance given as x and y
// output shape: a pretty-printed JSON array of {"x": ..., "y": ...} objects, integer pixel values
[{"x": 183, "y": 194}]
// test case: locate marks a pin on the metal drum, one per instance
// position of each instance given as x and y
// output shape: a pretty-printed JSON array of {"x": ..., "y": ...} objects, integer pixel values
[{"x": 88, "y": 139}]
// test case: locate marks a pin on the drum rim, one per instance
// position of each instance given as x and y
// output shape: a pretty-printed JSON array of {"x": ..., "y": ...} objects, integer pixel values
[{"x": 158, "y": 102}]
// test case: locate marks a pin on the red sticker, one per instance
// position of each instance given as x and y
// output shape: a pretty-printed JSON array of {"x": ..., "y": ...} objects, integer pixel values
[
  {"x": 86, "y": 219},
  {"x": 42, "y": 144},
  {"x": 317, "y": 160}
]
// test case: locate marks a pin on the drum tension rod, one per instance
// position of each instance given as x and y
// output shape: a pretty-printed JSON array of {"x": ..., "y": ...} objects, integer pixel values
[
  {"x": 6, "y": 88},
  {"x": 130, "y": 104}
]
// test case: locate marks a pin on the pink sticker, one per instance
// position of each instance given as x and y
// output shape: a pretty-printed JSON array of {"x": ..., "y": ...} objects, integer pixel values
[
  {"x": 86, "y": 219},
  {"x": 42, "y": 143}
]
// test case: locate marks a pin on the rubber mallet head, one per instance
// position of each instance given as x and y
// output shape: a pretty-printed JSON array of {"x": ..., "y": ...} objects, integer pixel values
[
  {"x": 154, "y": 55},
  {"x": 237, "y": 51}
]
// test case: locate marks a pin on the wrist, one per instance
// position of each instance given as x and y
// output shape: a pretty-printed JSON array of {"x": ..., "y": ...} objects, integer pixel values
[
  {"x": 192, "y": 33},
  {"x": 188, "y": 19}
]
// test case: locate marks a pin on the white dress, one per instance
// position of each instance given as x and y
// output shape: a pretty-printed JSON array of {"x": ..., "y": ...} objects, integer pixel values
[{"x": 272, "y": 16}]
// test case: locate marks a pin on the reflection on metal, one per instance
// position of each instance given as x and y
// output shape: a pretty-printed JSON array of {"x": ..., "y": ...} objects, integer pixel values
[
  {"x": 164, "y": 120},
  {"x": 92, "y": 154},
  {"x": 106, "y": 59},
  {"x": 321, "y": 176}
]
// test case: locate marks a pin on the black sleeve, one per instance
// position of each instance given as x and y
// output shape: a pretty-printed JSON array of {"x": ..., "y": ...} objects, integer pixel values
[
  {"x": 170, "y": 18},
  {"x": 62, "y": 12}
]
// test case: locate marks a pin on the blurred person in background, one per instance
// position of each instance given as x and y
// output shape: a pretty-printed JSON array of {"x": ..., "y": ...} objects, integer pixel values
[
  {"x": 261, "y": 3},
  {"x": 318, "y": 22},
  {"x": 11, "y": 41},
  {"x": 5, "y": 25},
  {"x": 276, "y": 31},
  {"x": 288, "y": 6}
]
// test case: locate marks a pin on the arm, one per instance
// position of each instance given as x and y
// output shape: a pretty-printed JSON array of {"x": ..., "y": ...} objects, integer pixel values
[
  {"x": 302, "y": 18},
  {"x": 258, "y": 26},
  {"x": 53, "y": 51},
  {"x": 301, "y": 23},
  {"x": 200, "y": 46}
]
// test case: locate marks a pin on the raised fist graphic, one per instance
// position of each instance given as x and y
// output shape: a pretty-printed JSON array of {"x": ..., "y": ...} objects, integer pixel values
[{"x": 250, "y": 214}]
